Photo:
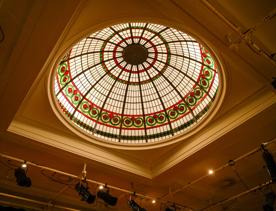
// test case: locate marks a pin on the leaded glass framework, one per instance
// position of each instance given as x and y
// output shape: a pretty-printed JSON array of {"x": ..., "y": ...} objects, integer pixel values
[{"x": 136, "y": 83}]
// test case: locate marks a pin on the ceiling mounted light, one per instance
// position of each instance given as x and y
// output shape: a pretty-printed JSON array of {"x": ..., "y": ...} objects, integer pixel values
[
  {"x": 134, "y": 84},
  {"x": 134, "y": 206},
  {"x": 210, "y": 171},
  {"x": 24, "y": 165},
  {"x": 82, "y": 189},
  {"x": 21, "y": 177},
  {"x": 273, "y": 83},
  {"x": 270, "y": 163},
  {"x": 269, "y": 201},
  {"x": 106, "y": 197},
  {"x": 170, "y": 208}
]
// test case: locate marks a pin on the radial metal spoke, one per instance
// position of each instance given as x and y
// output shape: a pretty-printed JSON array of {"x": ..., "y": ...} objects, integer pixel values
[
  {"x": 201, "y": 87},
  {"x": 87, "y": 53},
  {"x": 156, "y": 34},
  {"x": 106, "y": 98},
  {"x": 161, "y": 101},
  {"x": 131, "y": 32},
  {"x": 83, "y": 71},
  {"x": 177, "y": 91},
  {"x": 186, "y": 57},
  {"x": 116, "y": 32},
  {"x": 97, "y": 38},
  {"x": 123, "y": 109},
  {"x": 173, "y": 41},
  {"x": 142, "y": 104},
  {"x": 144, "y": 29},
  {"x": 89, "y": 90}
]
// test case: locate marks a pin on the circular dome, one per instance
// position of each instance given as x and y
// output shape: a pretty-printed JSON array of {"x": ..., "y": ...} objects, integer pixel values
[{"x": 135, "y": 83}]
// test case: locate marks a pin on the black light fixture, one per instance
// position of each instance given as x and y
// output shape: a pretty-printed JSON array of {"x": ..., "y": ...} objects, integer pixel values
[
  {"x": 171, "y": 208},
  {"x": 106, "y": 197},
  {"x": 269, "y": 201},
  {"x": 270, "y": 163},
  {"x": 82, "y": 188},
  {"x": 134, "y": 206},
  {"x": 273, "y": 83},
  {"x": 21, "y": 177}
]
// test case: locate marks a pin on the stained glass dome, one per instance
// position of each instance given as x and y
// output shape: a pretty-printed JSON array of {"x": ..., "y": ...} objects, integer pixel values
[{"x": 135, "y": 83}]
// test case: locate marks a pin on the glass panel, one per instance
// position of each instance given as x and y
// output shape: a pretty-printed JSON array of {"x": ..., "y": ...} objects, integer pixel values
[{"x": 136, "y": 83}]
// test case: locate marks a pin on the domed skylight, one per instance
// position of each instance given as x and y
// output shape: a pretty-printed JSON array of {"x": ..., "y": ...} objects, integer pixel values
[{"x": 135, "y": 83}]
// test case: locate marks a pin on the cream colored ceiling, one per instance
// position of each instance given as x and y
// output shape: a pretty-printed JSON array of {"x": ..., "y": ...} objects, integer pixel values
[{"x": 40, "y": 31}]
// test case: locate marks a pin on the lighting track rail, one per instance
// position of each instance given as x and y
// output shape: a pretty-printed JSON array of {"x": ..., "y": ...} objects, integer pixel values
[
  {"x": 229, "y": 163},
  {"x": 162, "y": 199}
]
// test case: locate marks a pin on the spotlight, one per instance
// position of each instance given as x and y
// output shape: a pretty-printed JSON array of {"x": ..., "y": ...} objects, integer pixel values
[
  {"x": 21, "y": 177},
  {"x": 210, "y": 171},
  {"x": 269, "y": 201},
  {"x": 170, "y": 208},
  {"x": 134, "y": 206},
  {"x": 270, "y": 163},
  {"x": 24, "y": 165},
  {"x": 106, "y": 197},
  {"x": 153, "y": 201},
  {"x": 101, "y": 187},
  {"x": 273, "y": 83},
  {"x": 82, "y": 189}
]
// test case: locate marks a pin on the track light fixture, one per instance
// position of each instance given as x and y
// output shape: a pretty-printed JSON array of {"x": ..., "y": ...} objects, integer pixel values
[
  {"x": 270, "y": 163},
  {"x": 134, "y": 206},
  {"x": 21, "y": 177},
  {"x": 210, "y": 171},
  {"x": 273, "y": 83},
  {"x": 269, "y": 201},
  {"x": 101, "y": 187},
  {"x": 106, "y": 197},
  {"x": 82, "y": 188},
  {"x": 24, "y": 165},
  {"x": 170, "y": 208}
]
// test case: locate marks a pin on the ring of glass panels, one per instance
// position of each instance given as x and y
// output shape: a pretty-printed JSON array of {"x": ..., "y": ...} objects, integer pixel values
[{"x": 136, "y": 83}]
